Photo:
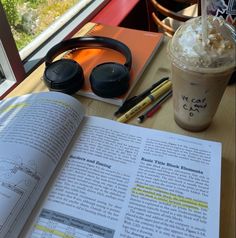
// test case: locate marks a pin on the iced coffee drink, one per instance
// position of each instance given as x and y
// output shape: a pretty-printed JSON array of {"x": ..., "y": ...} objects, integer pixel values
[{"x": 200, "y": 71}]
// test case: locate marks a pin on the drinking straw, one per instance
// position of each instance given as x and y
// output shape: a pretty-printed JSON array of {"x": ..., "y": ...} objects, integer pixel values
[{"x": 204, "y": 4}]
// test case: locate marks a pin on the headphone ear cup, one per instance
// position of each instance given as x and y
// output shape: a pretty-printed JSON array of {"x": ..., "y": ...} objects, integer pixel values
[
  {"x": 109, "y": 80},
  {"x": 64, "y": 75}
]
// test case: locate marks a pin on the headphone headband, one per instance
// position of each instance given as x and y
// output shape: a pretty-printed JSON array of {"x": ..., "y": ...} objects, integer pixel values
[{"x": 87, "y": 42}]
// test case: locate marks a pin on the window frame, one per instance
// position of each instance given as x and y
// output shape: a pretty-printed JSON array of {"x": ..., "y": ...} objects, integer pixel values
[
  {"x": 22, "y": 67},
  {"x": 10, "y": 51}
]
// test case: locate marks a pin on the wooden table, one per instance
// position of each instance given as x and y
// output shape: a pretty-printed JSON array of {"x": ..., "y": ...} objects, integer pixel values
[{"x": 222, "y": 128}]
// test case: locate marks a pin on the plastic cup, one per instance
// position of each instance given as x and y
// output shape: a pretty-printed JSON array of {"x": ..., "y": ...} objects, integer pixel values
[{"x": 199, "y": 73}]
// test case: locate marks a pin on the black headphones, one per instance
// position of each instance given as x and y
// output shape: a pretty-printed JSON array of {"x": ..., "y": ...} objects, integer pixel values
[{"x": 107, "y": 80}]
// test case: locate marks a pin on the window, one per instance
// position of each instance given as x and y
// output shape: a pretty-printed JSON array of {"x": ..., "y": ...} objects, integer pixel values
[{"x": 22, "y": 46}]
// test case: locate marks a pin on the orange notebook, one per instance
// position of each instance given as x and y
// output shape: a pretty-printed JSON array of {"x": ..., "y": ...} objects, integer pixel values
[{"x": 143, "y": 45}]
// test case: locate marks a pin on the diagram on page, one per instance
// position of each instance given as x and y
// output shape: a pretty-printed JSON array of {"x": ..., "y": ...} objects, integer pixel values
[{"x": 17, "y": 181}]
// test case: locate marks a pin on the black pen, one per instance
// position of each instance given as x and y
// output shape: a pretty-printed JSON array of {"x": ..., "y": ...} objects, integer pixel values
[{"x": 131, "y": 102}]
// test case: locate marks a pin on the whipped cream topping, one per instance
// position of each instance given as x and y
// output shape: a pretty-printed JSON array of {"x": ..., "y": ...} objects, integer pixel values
[{"x": 188, "y": 46}]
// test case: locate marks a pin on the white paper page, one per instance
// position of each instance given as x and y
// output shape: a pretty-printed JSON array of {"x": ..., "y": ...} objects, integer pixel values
[
  {"x": 126, "y": 181},
  {"x": 35, "y": 131}
]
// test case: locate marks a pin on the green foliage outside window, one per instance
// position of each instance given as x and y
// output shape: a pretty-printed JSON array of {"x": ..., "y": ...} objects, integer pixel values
[
  {"x": 10, "y": 10},
  {"x": 28, "y": 18}
]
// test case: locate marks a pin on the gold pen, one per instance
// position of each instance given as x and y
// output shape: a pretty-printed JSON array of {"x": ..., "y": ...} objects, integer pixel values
[{"x": 155, "y": 93}]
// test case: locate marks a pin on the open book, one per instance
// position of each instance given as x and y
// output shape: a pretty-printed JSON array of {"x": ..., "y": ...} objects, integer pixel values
[{"x": 63, "y": 174}]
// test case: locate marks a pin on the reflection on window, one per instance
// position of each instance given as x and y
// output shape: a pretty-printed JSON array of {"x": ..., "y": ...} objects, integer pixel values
[
  {"x": 30, "y": 18},
  {"x": 2, "y": 76}
]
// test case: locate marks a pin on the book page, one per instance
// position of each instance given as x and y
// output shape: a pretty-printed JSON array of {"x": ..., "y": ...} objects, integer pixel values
[
  {"x": 126, "y": 181},
  {"x": 35, "y": 131}
]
